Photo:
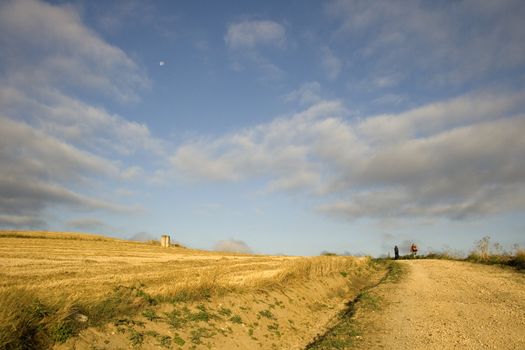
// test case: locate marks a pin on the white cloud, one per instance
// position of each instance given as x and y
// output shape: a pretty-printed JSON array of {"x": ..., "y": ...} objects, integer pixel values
[
  {"x": 77, "y": 122},
  {"x": 232, "y": 246},
  {"x": 278, "y": 149},
  {"x": 249, "y": 34},
  {"x": 428, "y": 44},
  {"x": 331, "y": 64},
  {"x": 306, "y": 95},
  {"x": 39, "y": 170},
  {"x": 26, "y": 151},
  {"x": 247, "y": 41},
  {"x": 132, "y": 173},
  {"x": 456, "y": 159},
  {"x": 50, "y": 45},
  {"x": 442, "y": 115},
  {"x": 55, "y": 148}
]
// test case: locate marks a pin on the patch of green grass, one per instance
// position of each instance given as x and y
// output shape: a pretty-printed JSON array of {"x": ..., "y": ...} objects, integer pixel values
[
  {"x": 147, "y": 297},
  {"x": 340, "y": 337},
  {"x": 369, "y": 300},
  {"x": 224, "y": 311},
  {"x": 62, "y": 331},
  {"x": 178, "y": 340},
  {"x": 181, "y": 297},
  {"x": 153, "y": 334},
  {"x": 202, "y": 315},
  {"x": 176, "y": 319},
  {"x": 274, "y": 328},
  {"x": 121, "y": 301},
  {"x": 344, "y": 274},
  {"x": 165, "y": 341},
  {"x": 135, "y": 338},
  {"x": 250, "y": 333},
  {"x": 266, "y": 313},
  {"x": 150, "y": 315},
  {"x": 196, "y": 335},
  {"x": 236, "y": 319},
  {"x": 395, "y": 272}
]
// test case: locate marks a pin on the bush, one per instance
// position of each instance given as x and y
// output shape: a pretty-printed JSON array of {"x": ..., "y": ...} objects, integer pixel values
[{"x": 518, "y": 260}]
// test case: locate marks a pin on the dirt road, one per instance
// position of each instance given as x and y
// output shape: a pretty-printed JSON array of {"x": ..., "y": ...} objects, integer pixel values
[{"x": 443, "y": 304}]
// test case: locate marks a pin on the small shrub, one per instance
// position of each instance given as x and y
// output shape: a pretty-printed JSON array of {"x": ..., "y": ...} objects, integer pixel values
[
  {"x": 224, "y": 311},
  {"x": 518, "y": 260},
  {"x": 165, "y": 341},
  {"x": 199, "y": 333},
  {"x": 325, "y": 253},
  {"x": 266, "y": 313},
  {"x": 178, "y": 340},
  {"x": 236, "y": 319},
  {"x": 62, "y": 331},
  {"x": 136, "y": 338},
  {"x": 150, "y": 315},
  {"x": 175, "y": 319},
  {"x": 201, "y": 315}
]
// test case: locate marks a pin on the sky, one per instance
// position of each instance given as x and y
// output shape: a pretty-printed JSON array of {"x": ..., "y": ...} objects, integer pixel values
[{"x": 273, "y": 127}]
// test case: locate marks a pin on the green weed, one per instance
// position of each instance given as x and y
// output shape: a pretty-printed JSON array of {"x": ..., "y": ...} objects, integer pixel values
[
  {"x": 135, "y": 338},
  {"x": 62, "y": 331},
  {"x": 150, "y": 315},
  {"x": 236, "y": 319},
  {"x": 224, "y": 311},
  {"x": 197, "y": 334},
  {"x": 266, "y": 313},
  {"x": 178, "y": 340}
]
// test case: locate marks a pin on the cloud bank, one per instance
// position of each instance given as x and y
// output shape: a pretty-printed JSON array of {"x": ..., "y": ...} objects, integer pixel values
[
  {"x": 417, "y": 41},
  {"x": 54, "y": 148},
  {"x": 456, "y": 159}
]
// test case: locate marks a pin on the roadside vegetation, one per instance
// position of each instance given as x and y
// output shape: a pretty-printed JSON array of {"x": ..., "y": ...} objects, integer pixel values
[
  {"x": 484, "y": 252},
  {"x": 54, "y": 285}
]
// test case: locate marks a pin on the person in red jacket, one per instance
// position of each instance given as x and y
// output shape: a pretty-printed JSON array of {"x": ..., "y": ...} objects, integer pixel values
[{"x": 413, "y": 249}]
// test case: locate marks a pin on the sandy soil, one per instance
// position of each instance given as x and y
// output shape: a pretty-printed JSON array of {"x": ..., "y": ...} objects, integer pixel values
[{"x": 448, "y": 305}]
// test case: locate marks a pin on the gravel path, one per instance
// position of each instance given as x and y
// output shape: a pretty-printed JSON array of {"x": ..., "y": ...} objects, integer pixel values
[{"x": 443, "y": 304}]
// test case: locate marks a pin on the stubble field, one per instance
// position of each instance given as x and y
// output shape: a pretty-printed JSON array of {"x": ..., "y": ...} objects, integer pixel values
[{"x": 68, "y": 290}]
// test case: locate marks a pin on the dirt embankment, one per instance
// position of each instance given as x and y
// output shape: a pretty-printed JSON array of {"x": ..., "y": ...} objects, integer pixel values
[
  {"x": 288, "y": 317},
  {"x": 447, "y": 305}
]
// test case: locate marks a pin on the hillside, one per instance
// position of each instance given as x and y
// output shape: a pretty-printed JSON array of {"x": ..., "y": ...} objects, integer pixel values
[{"x": 68, "y": 290}]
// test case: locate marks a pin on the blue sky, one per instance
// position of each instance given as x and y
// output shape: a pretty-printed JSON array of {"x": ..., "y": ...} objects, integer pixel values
[{"x": 277, "y": 127}]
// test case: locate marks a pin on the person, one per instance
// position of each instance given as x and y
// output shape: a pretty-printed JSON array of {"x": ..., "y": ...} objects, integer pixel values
[
  {"x": 413, "y": 249},
  {"x": 396, "y": 252}
]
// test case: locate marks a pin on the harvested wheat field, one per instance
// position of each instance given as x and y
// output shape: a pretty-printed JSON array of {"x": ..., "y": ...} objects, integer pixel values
[{"x": 79, "y": 291}]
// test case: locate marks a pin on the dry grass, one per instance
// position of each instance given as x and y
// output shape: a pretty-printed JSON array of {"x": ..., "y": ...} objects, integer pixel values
[
  {"x": 54, "y": 235},
  {"x": 49, "y": 278}
]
